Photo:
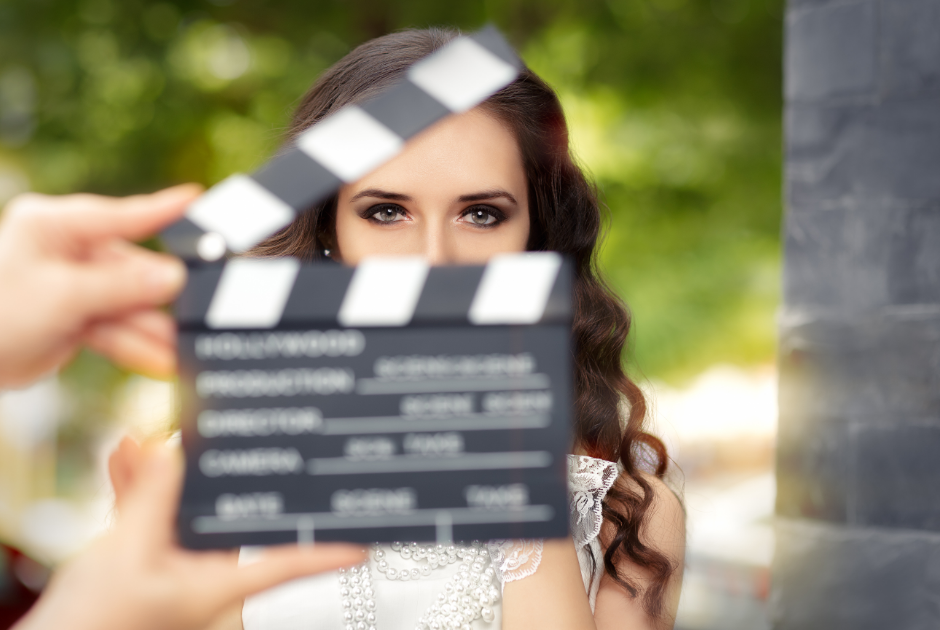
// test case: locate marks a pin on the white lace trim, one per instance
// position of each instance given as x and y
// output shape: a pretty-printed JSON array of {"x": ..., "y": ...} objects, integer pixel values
[
  {"x": 515, "y": 559},
  {"x": 589, "y": 480}
]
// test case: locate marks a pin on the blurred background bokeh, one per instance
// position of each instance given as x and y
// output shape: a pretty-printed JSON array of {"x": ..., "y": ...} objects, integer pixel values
[{"x": 674, "y": 107}]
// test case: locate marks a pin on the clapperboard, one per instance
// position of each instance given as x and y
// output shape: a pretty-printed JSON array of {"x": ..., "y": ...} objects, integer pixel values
[{"x": 391, "y": 401}]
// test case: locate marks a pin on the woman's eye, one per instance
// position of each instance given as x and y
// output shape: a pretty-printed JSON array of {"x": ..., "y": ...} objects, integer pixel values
[
  {"x": 483, "y": 216},
  {"x": 386, "y": 214}
]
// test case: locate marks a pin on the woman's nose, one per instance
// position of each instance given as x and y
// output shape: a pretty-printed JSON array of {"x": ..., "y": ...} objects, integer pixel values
[{"x": 438, "y": 249}]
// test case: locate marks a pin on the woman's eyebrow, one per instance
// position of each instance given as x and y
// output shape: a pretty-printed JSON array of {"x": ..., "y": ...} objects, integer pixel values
[
  {"x": 380, "y": 194},
  {"x": 487, "y": 194}
]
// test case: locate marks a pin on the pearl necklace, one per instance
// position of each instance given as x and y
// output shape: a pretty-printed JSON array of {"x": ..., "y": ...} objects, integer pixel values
[{"x": 469, "y": 595}]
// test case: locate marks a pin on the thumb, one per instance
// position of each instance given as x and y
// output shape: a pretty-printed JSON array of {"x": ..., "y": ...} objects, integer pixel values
[
  {"x": 138, "y": 279},
  {"x": 122, "y": 464},
  {"x": 150, "y": 503}
]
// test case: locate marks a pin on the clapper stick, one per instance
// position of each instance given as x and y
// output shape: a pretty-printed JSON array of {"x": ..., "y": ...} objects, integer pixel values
[{"x": 242, "y": 210}]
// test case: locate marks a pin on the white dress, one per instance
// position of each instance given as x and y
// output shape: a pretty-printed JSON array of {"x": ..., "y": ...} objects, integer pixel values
[{"x": 455, "y": 586}]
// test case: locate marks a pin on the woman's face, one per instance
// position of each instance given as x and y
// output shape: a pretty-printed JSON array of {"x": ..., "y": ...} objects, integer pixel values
[{"x": 456, "y": 194}]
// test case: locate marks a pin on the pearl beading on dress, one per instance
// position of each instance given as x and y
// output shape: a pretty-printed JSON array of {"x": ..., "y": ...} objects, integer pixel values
[
  {"x": 358, "y": 598},
  {"x": 589, "y": 480},
  {"x": 469, "y": 595}
]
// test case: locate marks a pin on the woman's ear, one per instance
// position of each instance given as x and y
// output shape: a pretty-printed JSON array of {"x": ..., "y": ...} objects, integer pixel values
[
  {"x": 122, "y": 468},
  {"x": 324, "y": 230},
  {"x": 330, "y": 250},
  {"x": 326, "y": 240}
]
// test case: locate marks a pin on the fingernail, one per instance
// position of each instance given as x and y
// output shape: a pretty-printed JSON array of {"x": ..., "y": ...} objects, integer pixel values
[{"x": 166, "y": 278}]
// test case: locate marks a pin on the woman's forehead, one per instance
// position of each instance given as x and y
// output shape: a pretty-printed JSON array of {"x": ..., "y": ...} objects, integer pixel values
[{"x": 469, "y": 150}]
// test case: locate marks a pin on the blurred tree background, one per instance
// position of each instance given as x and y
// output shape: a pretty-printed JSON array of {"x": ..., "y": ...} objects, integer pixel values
[{"x": 675, "y": 108}]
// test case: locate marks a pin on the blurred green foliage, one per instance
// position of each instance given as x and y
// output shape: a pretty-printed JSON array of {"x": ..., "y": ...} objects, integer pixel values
[{"x": 674, "y": 105}]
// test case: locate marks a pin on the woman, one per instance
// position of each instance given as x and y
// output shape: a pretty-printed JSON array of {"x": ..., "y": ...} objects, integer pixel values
[
  {"x": 493, "y": 180},
  {"x": 497, "y": 179}
]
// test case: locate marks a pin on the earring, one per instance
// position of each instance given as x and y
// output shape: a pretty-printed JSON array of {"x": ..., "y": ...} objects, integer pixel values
[{"x": 326, "y": 253}]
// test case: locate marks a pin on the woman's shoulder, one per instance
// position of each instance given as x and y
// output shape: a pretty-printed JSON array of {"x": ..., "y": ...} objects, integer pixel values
[
  {"x": 662, "y": 532},
  {"x": 592, "y": 481},
  {"x": 663, "y": 526}
]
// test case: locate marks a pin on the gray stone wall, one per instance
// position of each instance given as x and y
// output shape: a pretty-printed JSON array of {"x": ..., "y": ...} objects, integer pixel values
[{"x": 858, "y": 464}]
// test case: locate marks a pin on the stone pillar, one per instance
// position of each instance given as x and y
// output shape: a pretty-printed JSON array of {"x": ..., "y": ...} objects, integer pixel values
[{"x": 858, "y": 461}]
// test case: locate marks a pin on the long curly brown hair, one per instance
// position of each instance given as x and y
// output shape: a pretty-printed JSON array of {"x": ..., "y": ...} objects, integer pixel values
[{"x": 565, "y": 216}]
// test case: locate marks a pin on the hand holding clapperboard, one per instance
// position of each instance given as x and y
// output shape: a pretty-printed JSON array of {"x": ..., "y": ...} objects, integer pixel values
[{"x": 391, "y": 401}]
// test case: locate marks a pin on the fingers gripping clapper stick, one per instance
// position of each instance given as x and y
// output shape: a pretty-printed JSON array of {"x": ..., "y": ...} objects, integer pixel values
[{"x": 241, "y": 211}]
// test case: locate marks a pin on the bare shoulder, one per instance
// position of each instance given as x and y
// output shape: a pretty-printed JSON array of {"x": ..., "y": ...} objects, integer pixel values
[{"x": 662, "y": 531}]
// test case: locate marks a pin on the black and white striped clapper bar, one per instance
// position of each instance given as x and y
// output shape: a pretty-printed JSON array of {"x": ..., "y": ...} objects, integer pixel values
[
  {"x": 388, "y": 402},
  {"x": 391, "y": 401},
  {"x": 241, "y": 211}
]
